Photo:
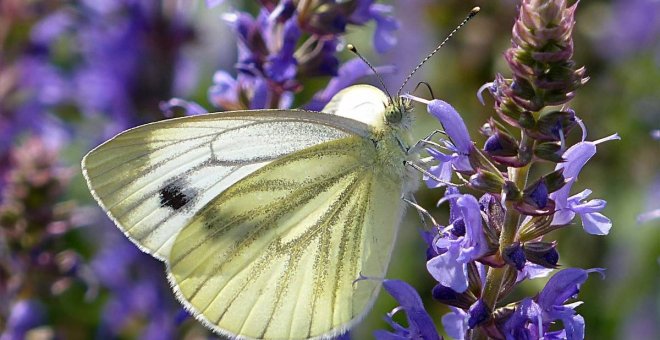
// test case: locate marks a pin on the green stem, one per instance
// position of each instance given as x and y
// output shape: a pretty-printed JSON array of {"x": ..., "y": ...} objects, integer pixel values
[{"x": 495, "y": 276}]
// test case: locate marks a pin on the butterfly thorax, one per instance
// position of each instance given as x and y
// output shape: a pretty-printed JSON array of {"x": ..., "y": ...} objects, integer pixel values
[{"x": 388, "y": 122}]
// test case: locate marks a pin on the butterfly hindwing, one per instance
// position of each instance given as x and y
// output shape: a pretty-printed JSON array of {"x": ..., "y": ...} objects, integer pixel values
[
  {"x": 152, "y": 179},
  {"x": 279, "y": 254}
]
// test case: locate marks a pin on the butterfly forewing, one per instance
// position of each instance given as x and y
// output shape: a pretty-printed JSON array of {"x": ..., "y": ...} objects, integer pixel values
[
  {"x": 152, "y": 179},
  {"x": 279, "y": 254}
]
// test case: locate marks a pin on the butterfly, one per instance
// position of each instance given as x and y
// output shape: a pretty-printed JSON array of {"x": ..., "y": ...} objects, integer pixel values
[{"x": 272, "y": 224}]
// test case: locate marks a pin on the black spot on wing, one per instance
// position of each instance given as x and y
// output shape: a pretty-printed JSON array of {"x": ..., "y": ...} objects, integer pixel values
[{"x": 176, "y": 195}]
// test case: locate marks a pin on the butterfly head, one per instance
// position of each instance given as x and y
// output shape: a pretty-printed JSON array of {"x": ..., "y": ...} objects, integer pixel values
[{"x": 397, "y": 112}]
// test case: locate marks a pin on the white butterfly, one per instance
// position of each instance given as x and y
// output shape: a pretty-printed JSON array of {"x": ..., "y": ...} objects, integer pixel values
[{"x": 266, "y": 219}]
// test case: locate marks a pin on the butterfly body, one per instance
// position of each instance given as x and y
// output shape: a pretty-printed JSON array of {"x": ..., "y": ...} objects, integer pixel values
[{"x": 268, "y": 221}]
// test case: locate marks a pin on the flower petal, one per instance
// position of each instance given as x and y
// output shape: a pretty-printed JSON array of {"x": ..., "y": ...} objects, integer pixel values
[
  {"x": 455, "y": 323},
  {"x": 281, "y": 66},
  {"x": 533, "y": 271},
  {"x": 386, "y": 25},
  {"x": 420, "y": 324},
  {"x": 213, "y": 3},
  {"x": 224, "y": 89},
  {"x": 441, "y": 171},
  {"x": 596, "y": 223},
  {"x": 525, "y": 313},
  {"x": 453, "y": 124},
  {"x": 561, "y": 287},
  {"x": 478, "y": 314},
  {"x": 448, "y": 271},
  {"x": 475, "y": 241},
  {"x": 574, "y": 327},
  {"x": 348, "y": 74},
  {"x": 190, "y": 108},
  {"x": 576, "y": 157}
]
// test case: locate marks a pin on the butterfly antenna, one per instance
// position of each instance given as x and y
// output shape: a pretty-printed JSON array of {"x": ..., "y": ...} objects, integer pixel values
[
  {"x": 352, "y": 48},
  {"x": 473, "y": 12}
]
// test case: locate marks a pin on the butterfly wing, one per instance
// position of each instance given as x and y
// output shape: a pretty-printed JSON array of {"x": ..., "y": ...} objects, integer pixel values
[
  {"x": 267, "y": 220},
  {"x": 152, "y": 179},
  {"x": 279, "y": 254}
]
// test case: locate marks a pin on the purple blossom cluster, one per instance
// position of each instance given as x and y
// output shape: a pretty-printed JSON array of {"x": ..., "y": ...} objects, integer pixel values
[
  {"x": 496, "y": 237},
  {"x": 287, "y": 44},
  {"x": 84, "y": 66},
  {"x": 65, "y": 67},
  {"x": 32, "y": 261}
]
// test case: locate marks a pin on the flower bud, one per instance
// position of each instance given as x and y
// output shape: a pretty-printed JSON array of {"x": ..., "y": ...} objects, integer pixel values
[
  {"x": 552, "y": 125},
  {"x": 549, "y": 151},
  {"x": 491, "y": 207},
  {"x": 536, "y": 199},
  {"x": 502, "y": 148},
  {"x": 450, "y": 297},
  {"x": 536, "y": 227},
  {"x": 486, "y": 181},
  {"x": 514, "y": 256},
  {"x": 555, "y": 180},
  {"x": 479, "y": 313},
  {"x": 536, "y": 203},
  {"x": 542, "y": 253},
  {"x": 511, "y": 192}
]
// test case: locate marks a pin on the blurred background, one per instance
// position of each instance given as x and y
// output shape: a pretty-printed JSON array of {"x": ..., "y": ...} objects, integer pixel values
[{"x": 74, "y": 73}]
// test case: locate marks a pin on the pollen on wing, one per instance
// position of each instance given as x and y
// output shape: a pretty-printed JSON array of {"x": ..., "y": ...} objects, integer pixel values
[{"x": 176, "y": 194}]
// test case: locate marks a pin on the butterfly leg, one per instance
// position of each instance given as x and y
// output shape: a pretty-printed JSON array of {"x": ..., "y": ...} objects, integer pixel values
[
  {"x": 426, "y": 140},
  {"x": 423, "y": 213},
  {"x": 430, "y": 175}
]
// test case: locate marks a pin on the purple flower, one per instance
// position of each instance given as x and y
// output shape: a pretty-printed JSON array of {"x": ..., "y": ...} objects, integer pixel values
[
  {"x": 189, "y": 108},
  {"x": 453, "y": 124},
  {"x": 102, "y": 46},
  {"x": 456, "y": 323},
  {"x": 525, "y": 321},
  {"x": 348, "y": 74},
  {"x": 213, "y": 3},
  {"x": 386, "y": 25},
  {"x": 533, "y": 271},
  {"x": 634, "y": 28},
  {"x": 138, "y": 289},
  {"x": 25, "y": 315},
  {"x": 366, "y": 10},
  {"x": 458, "y": 147},
  {"x": 461, "y": 242},
  {"x": 280, "y": 46},
  {"x": 51, "y": 27},
  {"x": 264, "y": 50},
  {"x": 479, "y": 313},
  {"x": 420, "y": 324},
  {"x": 567, "y": 207},
  {"x": 532, "y": 317},
  {"x": 281, "y": 66},
  {"x": 515, "y": 255}
]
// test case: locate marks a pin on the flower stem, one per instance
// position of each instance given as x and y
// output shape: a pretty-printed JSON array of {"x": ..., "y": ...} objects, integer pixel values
[{"x": 495, "y": 276}]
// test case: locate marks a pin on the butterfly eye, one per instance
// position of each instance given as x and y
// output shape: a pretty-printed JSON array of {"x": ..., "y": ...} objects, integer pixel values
[{"x": 393, "y": 114}]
